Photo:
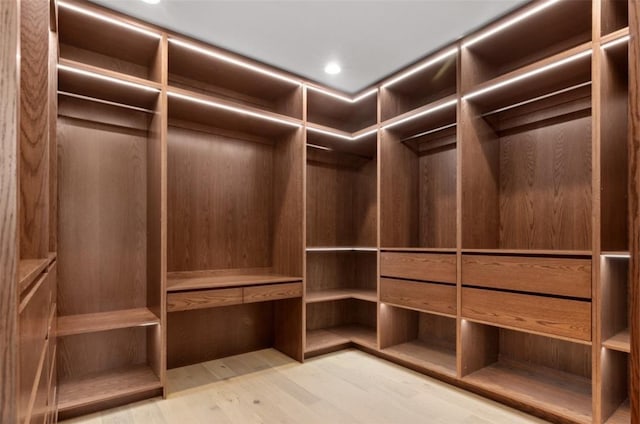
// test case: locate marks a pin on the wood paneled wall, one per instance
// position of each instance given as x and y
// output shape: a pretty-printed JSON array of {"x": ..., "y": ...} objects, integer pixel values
[{"x": 9, "y": 255}]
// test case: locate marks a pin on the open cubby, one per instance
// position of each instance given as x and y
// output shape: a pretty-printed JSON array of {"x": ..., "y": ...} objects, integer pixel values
[
  {"x": 613, "y": 148},
  {"x": 340, "y": 113},
  {"x": 89, "y": 35},
  {"x": 527, "y": 163},
  {"x": 341, "y": 192},
  {"x": 234, "y": 195},
  {"x": 615, "y": 387},
  {"x": 333, "y": 275},
  {"x": 549, "y": 374},
  {"x": 615, "y": 302},
  {"x": 232, "y": 77},
  {"x": 418, "y": 182},
  {"x": 488, "y": 54},
  {"x": 434, "y": 78},
  {"x": 614, "y": 15},
  {"x": 420, "y": 339},
  {"x": 336, "y": 324}
]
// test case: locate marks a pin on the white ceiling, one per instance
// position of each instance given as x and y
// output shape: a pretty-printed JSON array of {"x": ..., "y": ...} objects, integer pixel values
[{"x": 370, "y": 39}]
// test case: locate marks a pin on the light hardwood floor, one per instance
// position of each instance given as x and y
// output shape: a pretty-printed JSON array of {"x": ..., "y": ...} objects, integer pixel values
[{"x": 344, "y": 387}]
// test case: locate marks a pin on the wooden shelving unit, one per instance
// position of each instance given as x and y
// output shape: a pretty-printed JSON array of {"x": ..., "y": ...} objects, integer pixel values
[
  {"x": 105, "y": 321},
  {"x": 622, "y": 415},
  {"x": 619, "y": 342},
  {"x": 29, "y": 270},
  {"x": 178, "y": 281},
  {"x": 338, "y": 112},
  {"x": 335, "y": 338},
  {"x": 422, "y": 354}
]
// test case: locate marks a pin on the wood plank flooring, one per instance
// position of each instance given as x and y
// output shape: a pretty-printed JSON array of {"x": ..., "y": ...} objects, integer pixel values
[{"x": 266, "y": 386}]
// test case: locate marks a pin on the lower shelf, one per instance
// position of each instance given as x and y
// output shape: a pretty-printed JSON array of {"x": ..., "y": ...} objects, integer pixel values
[
  {"x": 561, "y": 393},
  {"x": 106, "y": 386},
  {"x": 103, "y": 321},
  {"x": 619, "y": 342},
  {"x": 425, "y": 355},
  {"x": 318, "y": 340},
  {"x": 340, "y": 294},
  {"x": 622, "y": 415}
]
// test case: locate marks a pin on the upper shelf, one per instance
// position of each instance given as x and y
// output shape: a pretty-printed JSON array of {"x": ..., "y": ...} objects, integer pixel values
[
  {"x": 220, "y": 114},
  {"x": 198, "y": 280},
  {"x": 537, "y": 31},
  {"x": 429, "y": 119},
  {"x": 94, "y": 36},
  {"x": 432, "y": 79},
  {"x": 343, "y": 113},
  {"x": 208, "y": 70},
  {"x": 363, "y": 143}
]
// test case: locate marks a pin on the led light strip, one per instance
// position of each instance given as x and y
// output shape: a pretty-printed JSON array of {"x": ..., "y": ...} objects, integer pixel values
[
  {"x": 343, "y": 98},
  {"x": 616, "y": 255},
  {"x": 509, "y": 23},
  {"x": 233, "y": 60},
  {"x": 419, "y": 68},
  {"x": 435, "y": 130},
  {"x": 106, "y": 102},
  {"x": 108, "y": 19},
  {"x": 316, "y": 146},
  {"x": 233, "y": 109},
  {"x": 106, "y": 78},
  {"x": 527, "y": 74},
  {"x": 423, "y": 113},
  {"x": 615, "y": 42},
  {"x": 341, "y": 136}
]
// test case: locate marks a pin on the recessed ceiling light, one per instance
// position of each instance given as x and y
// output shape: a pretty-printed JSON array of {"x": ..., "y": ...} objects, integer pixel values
[
  {"x": 151, "y": 1},
  {"x": 332, "y": 68}
]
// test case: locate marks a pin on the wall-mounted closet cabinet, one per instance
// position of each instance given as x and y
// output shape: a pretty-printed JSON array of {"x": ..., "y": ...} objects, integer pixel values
[{"x": 472, "y": 217}]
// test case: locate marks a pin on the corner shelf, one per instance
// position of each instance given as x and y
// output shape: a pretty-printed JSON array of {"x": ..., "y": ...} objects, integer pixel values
[
  {"x": 334, "y": 337},
  {"x": 337, "y": 111},
  {"x": 103, "y": 321},
  {"x": 98, "y": 388},
  {"x": 29, "y": 270},
  {"x": 561, "y": 393},
  {"x": 622, "y": 414},
  {"x": 178, "y": 281},
  {"x": 339, "y": 294},
  {"x": 425, "y": 355},
  {"x": 620, "y": 342}
]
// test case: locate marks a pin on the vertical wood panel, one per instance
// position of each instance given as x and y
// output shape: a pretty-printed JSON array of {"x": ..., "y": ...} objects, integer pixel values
[
  {"x": 34, "y": 130},
  {"x": 9, "y": 255},
  {"x": 53, "y": 152},
  {"x": 634, "y": 197}
]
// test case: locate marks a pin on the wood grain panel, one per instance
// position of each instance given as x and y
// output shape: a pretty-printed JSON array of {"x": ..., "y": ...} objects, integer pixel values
[
  {"x": 220, "y": 199},
  {"x": 545, "y": 187},
  {"x": 439, "y": 298},
  {"x": 9, "y": 231},
  {"x": 614, "y": 297},
  {"x": 557, "y": 276},
  {"x": 253, "y": 294},
  {"x": 397, "y": 326},
  {"x": 634, "y": 204},
  {"x": 479, "y": 345},
  {"x": 419, "y": 266},
  {"x": 341, "y": 312},
  {"x": 201, "y": 299},
  {"x": 614, "y": 15},
  {"x": 553, "y": 316},
  {"x": 53, "y": 144},
  {"x": 105, "y": 321},
  {"x": 34, "y": 129},
  {"x": 206, "y": 334},
  {"x": 336, "y": 270},
  {"x": 103, "y": 201},
  {"x": 289, "y": 327},
  {"x": 335, "y": 113}
]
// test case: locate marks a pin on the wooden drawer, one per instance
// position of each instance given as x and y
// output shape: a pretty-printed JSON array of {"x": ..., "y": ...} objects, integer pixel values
[
  {"x": 272, "y": 292},
  {"x": 556, "y": 276},
  {"x": 439, "y": 298},
  {"x": 546, "y": 315},
  {"x": 419, "y": 266},
  {"x": 201, "y": 299}
]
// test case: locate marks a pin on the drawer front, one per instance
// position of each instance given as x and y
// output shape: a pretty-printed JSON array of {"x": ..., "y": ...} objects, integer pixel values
[
  {"x": 272, "y": 292},
  {"x": 439, "y": 298},
  {"x": 547, "y": 315},
  {"x": 419, "y": 266},
  {"x": 201, "y": 299},
  {"x": 556, "y": 276}
]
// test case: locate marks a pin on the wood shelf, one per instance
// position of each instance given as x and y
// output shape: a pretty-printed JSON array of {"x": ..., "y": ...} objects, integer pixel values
[
  {"x": 425, "y": 355},
  {"x": 29, "y": 270},
  {"x": 104, "y": 321},
  {"x": 334, "y": 337},
  {"x": 341, "y": 113},
  {"x": 622, "y": 415},
  {"x": 433, "y": 116},
  {"x": 362, "y": 144},
  {"x": 419, "y": 249},
  {"x": 558, "y": 392},
  {"x": 532, "y": 252},
  {"x": 339, "y": 294},
  {"x": 202, "y": 280},
  {"x": 620, "y": 342},
  {"x": 106, "y": 386}
]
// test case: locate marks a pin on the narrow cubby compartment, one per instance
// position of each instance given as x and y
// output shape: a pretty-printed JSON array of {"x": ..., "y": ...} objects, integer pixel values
[
  {"x": 429, "y": 80},
  {"x": 99, "y": 39},
  {"x": 341, "y": 274},
  {"x": 336, "y": 324},
  {"x": 551, "y": 375},
  {"x": 615, "y": 368},
  {"x": 503, "y": 47},
  {"x": 614, "y": 15},
  {"x": 418, "y": 157},
  {"x": 108, "y": 260},
  {"x": 226, "y": 75},
  {"x": 346, "y": 114},
  {"x": 526, "y": 160},
  {"x": 341, "y": 191},
  {"x": 418, "y": 338}
]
